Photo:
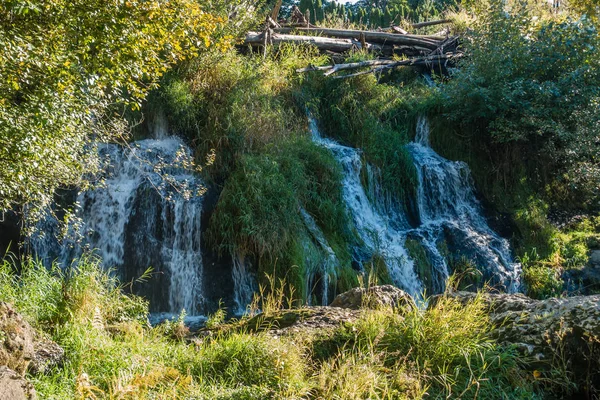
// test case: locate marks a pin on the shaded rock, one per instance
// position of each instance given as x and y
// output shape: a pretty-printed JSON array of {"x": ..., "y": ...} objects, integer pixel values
[
  {"x": 595, "y": 258},
  {"x": 374, "y": 297},
  {"x": 14, "y": 387},
  {"x": 16, "y": 340},
  {"x": 46, "y": 355},
  {"x": 584, "y": 281},
  {"x": 303, "y": 319},
  {"x": 318, "y": 319}
]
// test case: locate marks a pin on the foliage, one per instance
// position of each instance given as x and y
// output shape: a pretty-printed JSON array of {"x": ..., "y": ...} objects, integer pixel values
[
  {"x": 257, "y": 208},
  {"x": 541, "y": 281},
  {"x": 539, "y": 93},
  {"x": 249, "y": 111},
  {"x": 373, "y": 14},
  {"x": 67, "y": 67},
  {"x": 445, "y": 351},
  {"x": 375, "y": 117}
]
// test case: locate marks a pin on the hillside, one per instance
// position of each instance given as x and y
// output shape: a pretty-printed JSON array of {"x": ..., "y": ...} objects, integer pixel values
[{"x": 182, "y": 182}]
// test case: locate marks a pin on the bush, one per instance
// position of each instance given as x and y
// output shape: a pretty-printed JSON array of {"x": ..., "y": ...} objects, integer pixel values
[
  {"x": 539, "y": 93},
  {"x": 445, "y": 350}
]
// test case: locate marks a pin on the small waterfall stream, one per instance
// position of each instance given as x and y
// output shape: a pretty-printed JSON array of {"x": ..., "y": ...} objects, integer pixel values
[
  {"x": 449, "y": 210},
  {"x": 378, "y": 231},
  {"x": 449, "y": 215},
  {"x": 146, "y": 212}
]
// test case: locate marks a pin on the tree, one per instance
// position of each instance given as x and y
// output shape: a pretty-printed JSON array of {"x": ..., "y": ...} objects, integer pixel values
[
  {"x": 319, "y": 14},
  {"x": 306, "y": 5},
  {"x": 387, "y": 17},
  {"x": 66, "y": 68}
]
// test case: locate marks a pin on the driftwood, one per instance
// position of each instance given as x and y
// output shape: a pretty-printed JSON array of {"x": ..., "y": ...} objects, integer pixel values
[
  {"x": 297, "y": 18},
  {"x": 332, "y": 69},
  {"x": 397, "y": 29},
  {"x": 429, "y": 51},
  {"x": 322, "y": 43}
]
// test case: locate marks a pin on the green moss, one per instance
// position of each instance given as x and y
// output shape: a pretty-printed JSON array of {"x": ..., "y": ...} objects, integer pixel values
[
  {"x": 347, "y": 278},
  {"x": 257, "y": 209},
  {"x": 377, "y": 271},
  {"x": 423, "y": 266}
]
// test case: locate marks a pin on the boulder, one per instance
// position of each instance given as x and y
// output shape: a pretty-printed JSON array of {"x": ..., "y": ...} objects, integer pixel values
[
  {"x": 16, "y": 340},
  {"x": 374, "y": 297},
  {"x": 304, "y": 321},
  {"x": 14, "y": 387},
  {"x": 46, "y": 354},
  {"x": 22, "y": 348},
  {"x": 549, "y": 332}
]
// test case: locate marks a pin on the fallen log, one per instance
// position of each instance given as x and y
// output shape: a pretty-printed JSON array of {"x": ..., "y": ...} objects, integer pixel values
[
  {"x": 431, "y": 23},
  {"x": 322, "y": 43},
  {"x": 429, "y": 42},
  {"x": 331, "y": 69},
  {"x": 398, "y": 30},
  {"x": 381, "y": 65}
]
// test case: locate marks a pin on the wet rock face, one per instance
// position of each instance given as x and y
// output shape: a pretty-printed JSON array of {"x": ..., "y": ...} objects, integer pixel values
[
  {"x": 595, "y": 259},
  {"x": 14, "y": 387},
  {"x": 374, "y": 297},
  {"x": 549, "y": 331}
]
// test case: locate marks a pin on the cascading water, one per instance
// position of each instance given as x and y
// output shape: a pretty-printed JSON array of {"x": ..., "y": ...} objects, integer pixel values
[
  {"x": 147, "y": 212},
  {"x": 449, "y": 215},
  {"x": 449, "y": 211},
  {"x": 244, "y": 283},
  {"x": 324, "y": 262},
  {"x": 380, "y": 232}
]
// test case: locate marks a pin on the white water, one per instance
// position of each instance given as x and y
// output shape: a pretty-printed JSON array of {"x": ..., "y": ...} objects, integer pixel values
[
  {"x": 146, "y": 212},
  {"x": 448, "y": 206},
  {"x": 448, "y": 212},
  {"x": 376, "y": 229}
]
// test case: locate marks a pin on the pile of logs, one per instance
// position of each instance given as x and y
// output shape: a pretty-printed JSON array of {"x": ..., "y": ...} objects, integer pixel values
[{"x": 435, "y": 52}]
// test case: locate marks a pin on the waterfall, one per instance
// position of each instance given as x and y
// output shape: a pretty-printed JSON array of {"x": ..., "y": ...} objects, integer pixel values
[
  {"x": 244, "y": 283},
  {"x": 145, "y": 212},
  {"x": 449, "y": 216},
  {"x": 379, "y": 231},
  {"x": 326, "y": 260},
  {"x": 449, "y": 210}
]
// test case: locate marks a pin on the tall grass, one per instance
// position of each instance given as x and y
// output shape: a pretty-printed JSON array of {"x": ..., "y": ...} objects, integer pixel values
[{"x": 112, "y": 352}]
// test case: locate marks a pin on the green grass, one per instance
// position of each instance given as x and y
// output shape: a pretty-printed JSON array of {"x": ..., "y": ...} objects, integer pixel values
[{"x": 112, "y": 353}]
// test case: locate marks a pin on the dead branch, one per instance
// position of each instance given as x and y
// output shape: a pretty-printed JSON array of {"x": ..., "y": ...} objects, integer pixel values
[
  {"x": 381, "y": 65},
  {"x": 431, "y": 23}
]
